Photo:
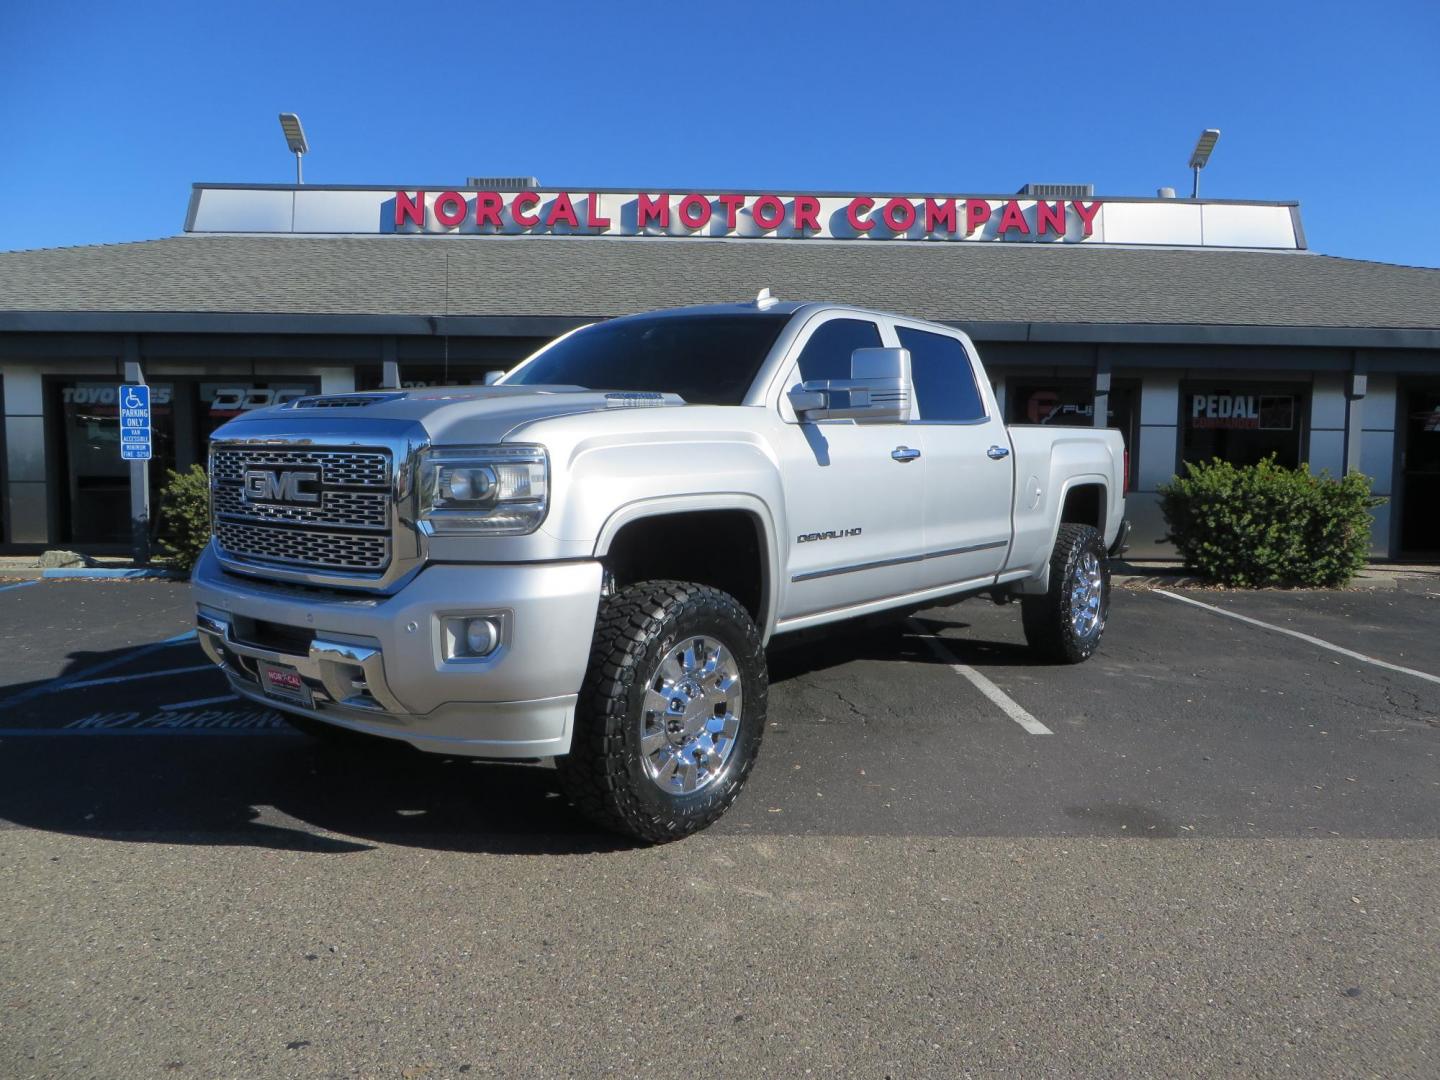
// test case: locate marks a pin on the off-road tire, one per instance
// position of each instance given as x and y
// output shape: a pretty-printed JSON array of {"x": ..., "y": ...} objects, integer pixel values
[
  {"x": 603, "y": 775},
  {"x": 1049, "y": 620}
]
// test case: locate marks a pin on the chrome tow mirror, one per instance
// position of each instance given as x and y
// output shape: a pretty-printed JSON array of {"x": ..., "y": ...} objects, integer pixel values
[{"x": 878, "y": 390}]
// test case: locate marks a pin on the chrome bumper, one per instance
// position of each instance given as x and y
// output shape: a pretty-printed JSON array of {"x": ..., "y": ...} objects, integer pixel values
[
  {"x": 377, "y": 663},
  {"x": 352, "y": 676}
]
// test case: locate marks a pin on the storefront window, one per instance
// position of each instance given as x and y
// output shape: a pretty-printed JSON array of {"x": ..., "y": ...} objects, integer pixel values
[
  {"x": 95, "y": 499},
  {"x": 419, "y": 376},
  {"x": 1071, "y": 403},
  {"x": 226, "y": 399},
  {"x": 1242, "y": 423},
  {"x": 1420, "y": 472}
]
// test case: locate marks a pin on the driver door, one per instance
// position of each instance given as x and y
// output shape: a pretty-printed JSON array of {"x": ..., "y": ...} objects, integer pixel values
[{"x": 853, "y": 490}]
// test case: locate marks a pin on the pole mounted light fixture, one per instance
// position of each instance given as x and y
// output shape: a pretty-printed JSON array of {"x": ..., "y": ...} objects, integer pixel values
[
  {"x": 1201, "y": 154},
  {"x": 295, "y": 139}
]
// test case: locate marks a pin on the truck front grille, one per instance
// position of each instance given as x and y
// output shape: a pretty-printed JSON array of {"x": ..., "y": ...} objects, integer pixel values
[{"x": 303, "y": 508}]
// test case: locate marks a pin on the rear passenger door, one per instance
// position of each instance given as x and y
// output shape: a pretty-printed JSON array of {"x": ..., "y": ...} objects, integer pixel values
[{"x": 969, "y": 475}]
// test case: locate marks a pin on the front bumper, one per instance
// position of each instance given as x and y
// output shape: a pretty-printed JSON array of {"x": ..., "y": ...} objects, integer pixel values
[{"x": 376, "y": 663}]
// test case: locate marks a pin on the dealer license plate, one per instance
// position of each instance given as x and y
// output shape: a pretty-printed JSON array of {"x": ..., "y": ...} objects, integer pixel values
[{"x": 285, "y": 684}]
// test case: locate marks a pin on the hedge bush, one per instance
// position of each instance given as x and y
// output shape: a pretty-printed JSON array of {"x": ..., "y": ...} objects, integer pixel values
[
  {"x": 1264, "y": 524},
  {"x": 184, "y": 525}
]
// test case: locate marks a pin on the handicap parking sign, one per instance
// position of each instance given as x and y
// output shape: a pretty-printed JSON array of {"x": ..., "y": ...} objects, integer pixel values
[{"x": 134, "y": 422}]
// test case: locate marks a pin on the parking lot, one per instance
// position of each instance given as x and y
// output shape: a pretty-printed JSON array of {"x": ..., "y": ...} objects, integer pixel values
[{"x": 1213, "y": 849}]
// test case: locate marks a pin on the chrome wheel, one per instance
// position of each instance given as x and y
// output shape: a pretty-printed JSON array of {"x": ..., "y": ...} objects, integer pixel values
[
  {"x": 691, "y": 716},
  {"x": 1087, "y": 595}
]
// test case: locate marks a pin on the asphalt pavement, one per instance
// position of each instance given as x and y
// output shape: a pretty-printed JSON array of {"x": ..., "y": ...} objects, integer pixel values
[{"x": 1219, "y": 857}]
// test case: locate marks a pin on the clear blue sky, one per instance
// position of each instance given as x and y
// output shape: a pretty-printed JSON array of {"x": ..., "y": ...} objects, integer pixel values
[{"x": 109, "y": 111}]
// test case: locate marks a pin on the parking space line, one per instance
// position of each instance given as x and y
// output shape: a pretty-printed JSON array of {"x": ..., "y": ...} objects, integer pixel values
[
  {"x": 201, "y": 701},
  {"x": 18, "y": 585},
  {"x": 106, "y": 665},
  {"x": 1321, "y": 642},
  {"x": 1006, "y": 703},
  {"x": 82, "y": 683}
]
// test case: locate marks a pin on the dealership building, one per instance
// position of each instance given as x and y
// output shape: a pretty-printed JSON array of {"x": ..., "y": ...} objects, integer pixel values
[{"x": 1199, "y": 328}]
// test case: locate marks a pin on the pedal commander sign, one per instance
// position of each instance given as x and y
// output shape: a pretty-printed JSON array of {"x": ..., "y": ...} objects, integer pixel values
[{"x": 313, "y": 210}]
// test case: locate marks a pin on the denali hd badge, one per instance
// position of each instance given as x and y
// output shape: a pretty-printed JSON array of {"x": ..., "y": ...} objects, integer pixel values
[
  {"x": 830, "y": 534},
  {"x": 281, "y": 486}
]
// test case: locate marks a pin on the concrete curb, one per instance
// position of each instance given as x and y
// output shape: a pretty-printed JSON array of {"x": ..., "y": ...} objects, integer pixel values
[{"x": 108, "y": 574}]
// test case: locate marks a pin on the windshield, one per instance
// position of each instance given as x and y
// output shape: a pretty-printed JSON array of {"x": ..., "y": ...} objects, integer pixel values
[{"x": 706, "y": 359}]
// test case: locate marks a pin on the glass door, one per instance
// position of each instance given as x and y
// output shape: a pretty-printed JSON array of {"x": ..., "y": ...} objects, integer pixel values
[{"x": 1420, "y": 472}]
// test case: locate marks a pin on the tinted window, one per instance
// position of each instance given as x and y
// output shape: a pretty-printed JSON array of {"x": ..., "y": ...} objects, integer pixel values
[
  {"x": 827, "y": 354},
  {"x": 706, "y": 359},
  {"x": 944, "y": 383}
]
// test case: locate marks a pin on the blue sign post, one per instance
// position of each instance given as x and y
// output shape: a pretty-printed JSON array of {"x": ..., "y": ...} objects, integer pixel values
[{"x": 134, "y": 422}]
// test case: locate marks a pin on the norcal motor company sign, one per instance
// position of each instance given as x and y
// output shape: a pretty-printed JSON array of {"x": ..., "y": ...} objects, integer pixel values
[
  {"x": 314, "y": 210},
  {"x": 798, "y": 217}
]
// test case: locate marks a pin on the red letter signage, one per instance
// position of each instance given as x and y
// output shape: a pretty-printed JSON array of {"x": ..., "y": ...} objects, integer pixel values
[
  {"x": 562, "y": 209},
  {"x": 977, "y": 213},
  {"x": 656, "y": 208},
  {"x": 1012, "y": 217},
  {"x": 413, "y": 209},
  {"x": 1087, "y": 214},
  {"x": 450, "y": 208},
  {"x": 768, "y": 212},
  {"x": 1047, "y": 216},
  {"x": 593, "y": 220},
  {"x": 939, "y": 216},
  {"x": 807, "y": 213},
  {"x": 695, "y": 211},
  {"x": 859, "y": 205},
  {"x": 523, "y": 219}
]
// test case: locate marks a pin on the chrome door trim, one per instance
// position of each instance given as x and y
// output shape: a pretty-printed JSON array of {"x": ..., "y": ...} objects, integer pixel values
[{"x": 811, "y": 575}]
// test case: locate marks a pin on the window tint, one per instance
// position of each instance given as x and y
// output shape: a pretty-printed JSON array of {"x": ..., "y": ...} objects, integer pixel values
[
  {"x": 944, "y": 383},
  {"x": 706, "y": 359},
  {"x": 827, "y": 354}
]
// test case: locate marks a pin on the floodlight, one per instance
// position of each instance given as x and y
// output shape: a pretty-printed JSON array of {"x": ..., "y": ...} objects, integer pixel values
[
  {"x": 1201, "y": 155},
  {"x": 295, "y": 139}
]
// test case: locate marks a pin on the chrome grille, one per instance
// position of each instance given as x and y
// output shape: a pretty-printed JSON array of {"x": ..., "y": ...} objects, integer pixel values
[
  {"x": 352, "y": 509},
  {"x": 342, "y": 521},
  {"x": 359, "y": 468},
  {"x": 303, "y": 547}
]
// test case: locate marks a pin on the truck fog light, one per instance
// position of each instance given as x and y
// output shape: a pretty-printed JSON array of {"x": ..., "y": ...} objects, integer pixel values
[
  {"x": 481, "y": 636},
  {"x": 471, "y": 637}
]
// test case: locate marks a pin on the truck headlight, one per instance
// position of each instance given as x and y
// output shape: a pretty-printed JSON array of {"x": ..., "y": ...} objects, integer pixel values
[{"x": 498, "y": 490}]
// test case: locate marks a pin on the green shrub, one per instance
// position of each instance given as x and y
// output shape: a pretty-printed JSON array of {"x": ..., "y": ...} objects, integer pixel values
[
  {"x": 1264, "y": 524},
  {"x": 184, "y": 527}
]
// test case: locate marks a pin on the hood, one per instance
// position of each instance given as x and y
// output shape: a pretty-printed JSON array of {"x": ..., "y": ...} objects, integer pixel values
[{"x": 450, "y": 415}]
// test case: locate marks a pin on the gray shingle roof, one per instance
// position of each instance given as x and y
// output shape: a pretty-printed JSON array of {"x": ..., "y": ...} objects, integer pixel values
[{"x": 401, "y": 275}]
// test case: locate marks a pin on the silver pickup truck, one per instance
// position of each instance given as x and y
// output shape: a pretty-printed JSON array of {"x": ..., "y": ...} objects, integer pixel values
[{"x": 585, "y": 561}]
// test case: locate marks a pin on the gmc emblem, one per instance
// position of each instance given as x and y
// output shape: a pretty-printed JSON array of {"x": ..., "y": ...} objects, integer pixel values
[{"x": 281, "y": 485}]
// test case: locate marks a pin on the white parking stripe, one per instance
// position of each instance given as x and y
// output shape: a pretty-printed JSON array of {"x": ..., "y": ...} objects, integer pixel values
[
  {"x": 1303, "y": 637},
  {"x": 1006, "y": 703},
  {"x": 130, "y": 678},
  {"x": 200, "y": 701}
]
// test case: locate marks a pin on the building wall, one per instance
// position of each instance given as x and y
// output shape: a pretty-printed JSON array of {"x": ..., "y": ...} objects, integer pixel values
[{"x": 1156, "y": 377}]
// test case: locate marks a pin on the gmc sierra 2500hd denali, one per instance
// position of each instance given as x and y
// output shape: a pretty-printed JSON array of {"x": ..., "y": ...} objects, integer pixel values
[{"x": 585, "y": 560}]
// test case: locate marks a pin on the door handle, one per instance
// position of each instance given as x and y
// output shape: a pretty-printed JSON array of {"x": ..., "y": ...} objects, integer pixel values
[
  {"x": 998, "y": 452},
  {"x": 904, "y": 453}
]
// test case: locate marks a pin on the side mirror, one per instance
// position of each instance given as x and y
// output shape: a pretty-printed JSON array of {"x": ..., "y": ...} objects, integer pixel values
[
  {"x": 878, "y": 390},
  {"x": 492, "y": 377}
]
